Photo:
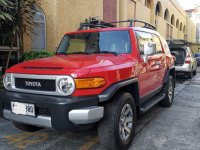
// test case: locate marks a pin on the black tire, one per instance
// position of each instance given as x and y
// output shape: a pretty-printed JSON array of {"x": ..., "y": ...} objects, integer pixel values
[
  {"x": 190, "y": 75},
  {"x": 195, "y": 71},
  {"x": 169, "y": 93},
  {"x": 109, "y": 126},
  {"x": 26, "y": 127}
]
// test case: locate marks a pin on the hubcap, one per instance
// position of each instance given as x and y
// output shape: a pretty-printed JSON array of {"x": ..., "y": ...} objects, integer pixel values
[
  {"x": 170, "y": 91},
  {"x": 126, "y": 122}
]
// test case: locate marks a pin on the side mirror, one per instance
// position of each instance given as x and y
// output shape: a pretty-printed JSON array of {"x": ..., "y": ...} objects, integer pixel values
[{"x": 149, "y": 49}]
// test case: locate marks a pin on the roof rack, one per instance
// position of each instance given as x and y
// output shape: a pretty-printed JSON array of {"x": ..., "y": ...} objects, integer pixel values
[
  {"x": 131, "y": 21},
  {"x": 95, "y": 23}
]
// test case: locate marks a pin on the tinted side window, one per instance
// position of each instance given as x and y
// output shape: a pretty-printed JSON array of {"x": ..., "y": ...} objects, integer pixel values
[
  {"x": 165, "y": 45},
  {"x": 143, "y": 37},
  {"x": 158, "y": 44}
]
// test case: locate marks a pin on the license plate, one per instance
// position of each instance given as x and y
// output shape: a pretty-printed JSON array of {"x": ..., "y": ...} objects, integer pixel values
[{"x": 23, "y": 108}]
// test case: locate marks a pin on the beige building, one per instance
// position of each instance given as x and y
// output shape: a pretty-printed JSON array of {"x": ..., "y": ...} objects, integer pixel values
[
  {"x": 194, "y": 15},
  {"x": 55, "y": 17},
  {"x": 60, "y": 16}
]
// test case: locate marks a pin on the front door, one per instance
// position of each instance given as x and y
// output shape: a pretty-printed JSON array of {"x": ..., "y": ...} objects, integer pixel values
[{"x": 148, "y": 79}]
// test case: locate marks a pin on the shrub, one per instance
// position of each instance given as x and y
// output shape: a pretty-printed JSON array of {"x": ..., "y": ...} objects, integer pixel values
[
  {"x": 28, "y": 56},
  {"x": 34, "y": 55}
]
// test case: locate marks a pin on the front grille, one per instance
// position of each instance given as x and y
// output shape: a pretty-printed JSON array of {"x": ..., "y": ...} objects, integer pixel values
[
  {"x": 43, "y": 111},
  {"x": 35, "y": 84},
  {"x": 6, "y": 106}
]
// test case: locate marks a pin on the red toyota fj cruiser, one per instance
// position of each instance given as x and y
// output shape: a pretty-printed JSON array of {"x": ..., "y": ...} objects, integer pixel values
[{"x": 99, "y": 74}]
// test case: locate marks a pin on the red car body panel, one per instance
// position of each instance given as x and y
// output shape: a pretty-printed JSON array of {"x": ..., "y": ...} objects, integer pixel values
[{"x": 111, "y": 67}]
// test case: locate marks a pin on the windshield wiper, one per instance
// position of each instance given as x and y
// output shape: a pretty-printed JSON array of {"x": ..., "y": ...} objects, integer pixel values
[
  {"x": 79, "y": 53},
  {"x": 107, "y": 52}
]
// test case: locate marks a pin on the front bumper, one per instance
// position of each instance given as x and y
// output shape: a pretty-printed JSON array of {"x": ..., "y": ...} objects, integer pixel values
[{"x": 60, "y": 113}]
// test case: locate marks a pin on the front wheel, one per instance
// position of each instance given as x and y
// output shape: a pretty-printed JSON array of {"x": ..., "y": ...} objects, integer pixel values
[
  {"x": 117, "y": 128},
  {"x": 169, "y": 93}
]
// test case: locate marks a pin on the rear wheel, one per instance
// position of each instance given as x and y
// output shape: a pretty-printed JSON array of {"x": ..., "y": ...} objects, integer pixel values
[
  {"x": 195, "y": 71},
  {"x": 169, "y": 93},
  {"x": 26, "y": 127},
  {"x": 190, "y": 75},
  {"x": 117, "y": 128}
]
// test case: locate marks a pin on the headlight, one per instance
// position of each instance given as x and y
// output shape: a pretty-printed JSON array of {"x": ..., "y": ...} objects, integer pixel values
[
  {"x": 66, "y": 85},
  {"x": 7, "y": 81}
]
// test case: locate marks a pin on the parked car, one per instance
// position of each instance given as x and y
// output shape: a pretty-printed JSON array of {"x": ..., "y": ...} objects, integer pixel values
[
  {"x": 197, "y": 56},
  {"x": 106, "y": 75},
  {"x": 185, "y": 63}
]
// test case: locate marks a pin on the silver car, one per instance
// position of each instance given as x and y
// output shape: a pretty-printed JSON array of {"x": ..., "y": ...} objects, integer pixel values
[
  {"x": 197, "y": 56},
  {"x": 185, "y": 62}
]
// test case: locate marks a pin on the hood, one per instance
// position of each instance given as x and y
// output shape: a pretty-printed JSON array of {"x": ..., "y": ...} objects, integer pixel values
[{"x": 67, "y": 64}]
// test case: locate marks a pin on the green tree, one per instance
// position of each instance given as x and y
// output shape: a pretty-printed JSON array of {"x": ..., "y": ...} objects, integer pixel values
[
  {"x": 22, "y": 12},
  {"x": 4, "y": 6}
]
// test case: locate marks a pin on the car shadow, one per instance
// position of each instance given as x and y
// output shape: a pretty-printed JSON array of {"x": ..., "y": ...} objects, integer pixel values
[{"x": 181, "y": 78}]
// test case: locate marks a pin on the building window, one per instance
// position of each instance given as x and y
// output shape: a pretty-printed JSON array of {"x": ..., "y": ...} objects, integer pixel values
[
  {"x": 3, "y": 59},
  {"x": 109, "y": 10},
  {"x": 39, "y": 31},
  {"x": 184, "y": 29},
  {"x": 169, "y": 31},
  {"x": 198, "y": 33},
  {"x": 158, "y": 9},
  {"x": 197, "y": 17},
  {"x": 166, "y": 15},
  {"x": 177, "y": 23},
  {"x": 172, "y": 19},
  {"x": 5, "y": 43},
  {"x": 148, "y": 3},
  {"x": 181, "y": 26}
]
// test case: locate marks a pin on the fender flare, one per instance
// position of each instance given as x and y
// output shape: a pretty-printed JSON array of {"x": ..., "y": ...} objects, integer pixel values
[
  {"x": 170, "y": 70},
  {"x": 110, "y": 91}
]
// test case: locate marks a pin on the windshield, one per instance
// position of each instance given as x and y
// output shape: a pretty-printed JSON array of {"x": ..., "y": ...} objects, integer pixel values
[{"x": 96, "y": 42}]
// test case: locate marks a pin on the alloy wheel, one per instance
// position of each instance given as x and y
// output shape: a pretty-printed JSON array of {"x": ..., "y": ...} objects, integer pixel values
[{"x": 126, "y": 122}]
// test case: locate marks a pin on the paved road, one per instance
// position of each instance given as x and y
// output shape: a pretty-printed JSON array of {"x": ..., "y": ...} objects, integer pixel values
[{"x": 174, "y": 128}]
